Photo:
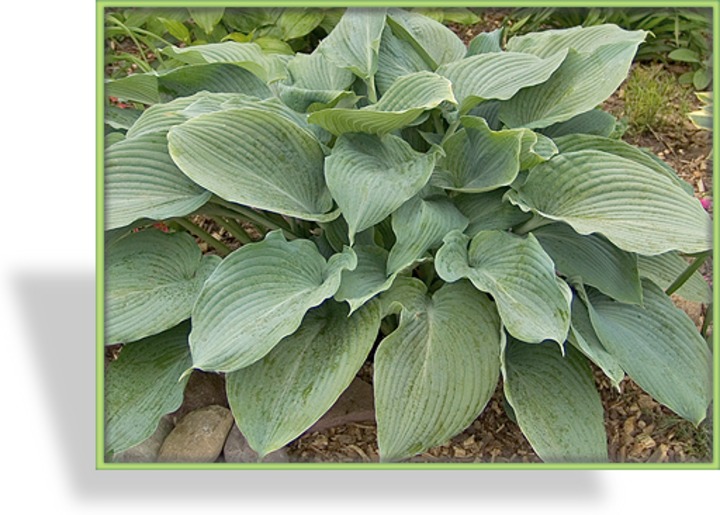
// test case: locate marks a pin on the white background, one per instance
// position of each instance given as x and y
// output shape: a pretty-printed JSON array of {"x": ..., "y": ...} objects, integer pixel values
[{"x": 47, "y": 347}]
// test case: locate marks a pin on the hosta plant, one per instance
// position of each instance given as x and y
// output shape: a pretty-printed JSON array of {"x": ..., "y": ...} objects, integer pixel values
[{"x": 459, "y": 215}]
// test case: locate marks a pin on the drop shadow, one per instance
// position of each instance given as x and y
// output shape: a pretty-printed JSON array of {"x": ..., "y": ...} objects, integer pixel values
[{"x": 58, "y": 311}]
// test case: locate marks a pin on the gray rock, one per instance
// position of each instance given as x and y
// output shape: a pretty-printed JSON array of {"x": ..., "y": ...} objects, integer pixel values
[
  {"x": 356, "y": 404},
  {"x": 237, "y": 450},
  {"x": 147, "y": 451},
  {"x": 198, "y": 437}
]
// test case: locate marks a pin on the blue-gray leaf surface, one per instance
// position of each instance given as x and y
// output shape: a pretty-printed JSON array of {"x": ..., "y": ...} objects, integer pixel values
[
  {"x": 259, "y": 295},
  {"x": 437, "y": 370}
]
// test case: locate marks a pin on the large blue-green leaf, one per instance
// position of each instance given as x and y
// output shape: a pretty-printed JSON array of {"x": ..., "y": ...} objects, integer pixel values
[
  {"x": 664, "y": 269},
  {"x": 314, "y": 82},
  {"x": 479, "y": 159},
  {"x": 485, "y": 43},
  {"x": 256, "y": 157},
  {"x": 369, "y": 277},
  {"x": 596, "y": 122},
  {"x": 138, "y": 87},
  {"x": 555, "y": 402},
  {"x": 395, "y": 59},
  {"x": 632, "y": 205},
  {"x": 582, "y": 335},
  {"x": 659, "y": 347},
  {"x": 533, "y": 302},
  {"x": 580, "y": 39},
  {"x": 277, "y": 398},
  {"x": 151, "y": 282},
  {"x": 497, "y": 75},
  {"x": 142, "y": 181},
  {"x": 213, "y": 78},
  {"x": 259, "y": 295},
  {"x": 142, "y": 385},
  {"x": 246, "y": 55},
  {"x": 597, "y": 62},
  {"x": 354, "y": 42},
  {"x": 407, "y": 98},
  {"x": 370, "y": 177},
  {"x": 420, "y": 224},
  {"x": 436, "y": 372},
  {"x": 434, "y": 42},
  {"x": 594, "y": 260},
  {"x": 575, "y": 142},
  {"x": 152, "y": 87}
]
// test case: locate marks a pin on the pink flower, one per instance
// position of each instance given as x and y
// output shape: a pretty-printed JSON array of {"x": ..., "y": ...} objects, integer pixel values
[{"x": 706, "y": 203}]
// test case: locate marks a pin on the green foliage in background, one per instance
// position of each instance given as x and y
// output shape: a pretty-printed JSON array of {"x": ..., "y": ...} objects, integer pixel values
[{"x": 459, "y": 214}]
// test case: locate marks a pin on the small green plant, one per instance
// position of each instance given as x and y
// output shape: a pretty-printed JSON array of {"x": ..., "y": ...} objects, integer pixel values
[
  {"x": 703, "y": 117},
  {"x": 653, "y": 98},
  {"x": 461, "y": 212}
]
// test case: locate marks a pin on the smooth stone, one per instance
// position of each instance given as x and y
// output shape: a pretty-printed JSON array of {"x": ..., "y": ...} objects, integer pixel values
[
  {"x": 147, "y": 451},
  {"x": 237, "y": 450},
  {"x": 198, "y": 437},
  {"x": 356, "y": 404}
]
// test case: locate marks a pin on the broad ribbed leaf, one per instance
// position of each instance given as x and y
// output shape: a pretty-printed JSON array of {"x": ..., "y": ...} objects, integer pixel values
[
  {"x": 436, "y": 372},
  {"x": 138, "y": 87},
  {"x": 533, "y": 303},
  {"x": 254, "y": 157},
  {"x": 485, "y": 43},
  {"x": 419, "y": 225},
  {"x": 245, "y": 55},
  {"x": 575, "y": 142},
  {"x": 142, "y": 181},
  {"x": 395, "y": 59},
  {"x": 207, "y": 18},
  {"x": 594, "y": 260},
  {"x": 665, "y": 268},
  {"x": 257, "y": 296},
  {"x": 161, "y": 117},
  {"x": 597, "y": 62},
  {"x": 214, "y": 78},
  {"x": 119, "y": 118},
  {"x": 595, "y": 122},
  {"x": 142, "y": 385},
  {"x": 659, "y": 348},
  {"x": 407, "y": 98},
  {"x": 498, "y": 75},
  {"x": 582, "y": 335},
  {"x": 370, "y": 177},
  {"x": 369, "y": 277},
  {"x": 555, "y": 402},
  {"x": 277, "y": 398},
  {"x": 479, "y": 159},
  {"x": 314, "y": 82},
  {"x": 151, "y": 88},
  {"x": 488, "y": 211},
  {"x": 151, "y": 282},
  {"x": 354, "y": 42},
  {"x": 633, "y": 206},
  {"x": 433, "y": 41},
  {"x": 581, "y": 39}
]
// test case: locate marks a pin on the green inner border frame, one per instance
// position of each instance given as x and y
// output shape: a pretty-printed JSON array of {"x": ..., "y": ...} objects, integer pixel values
[{"x": 101, "y": 5}]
